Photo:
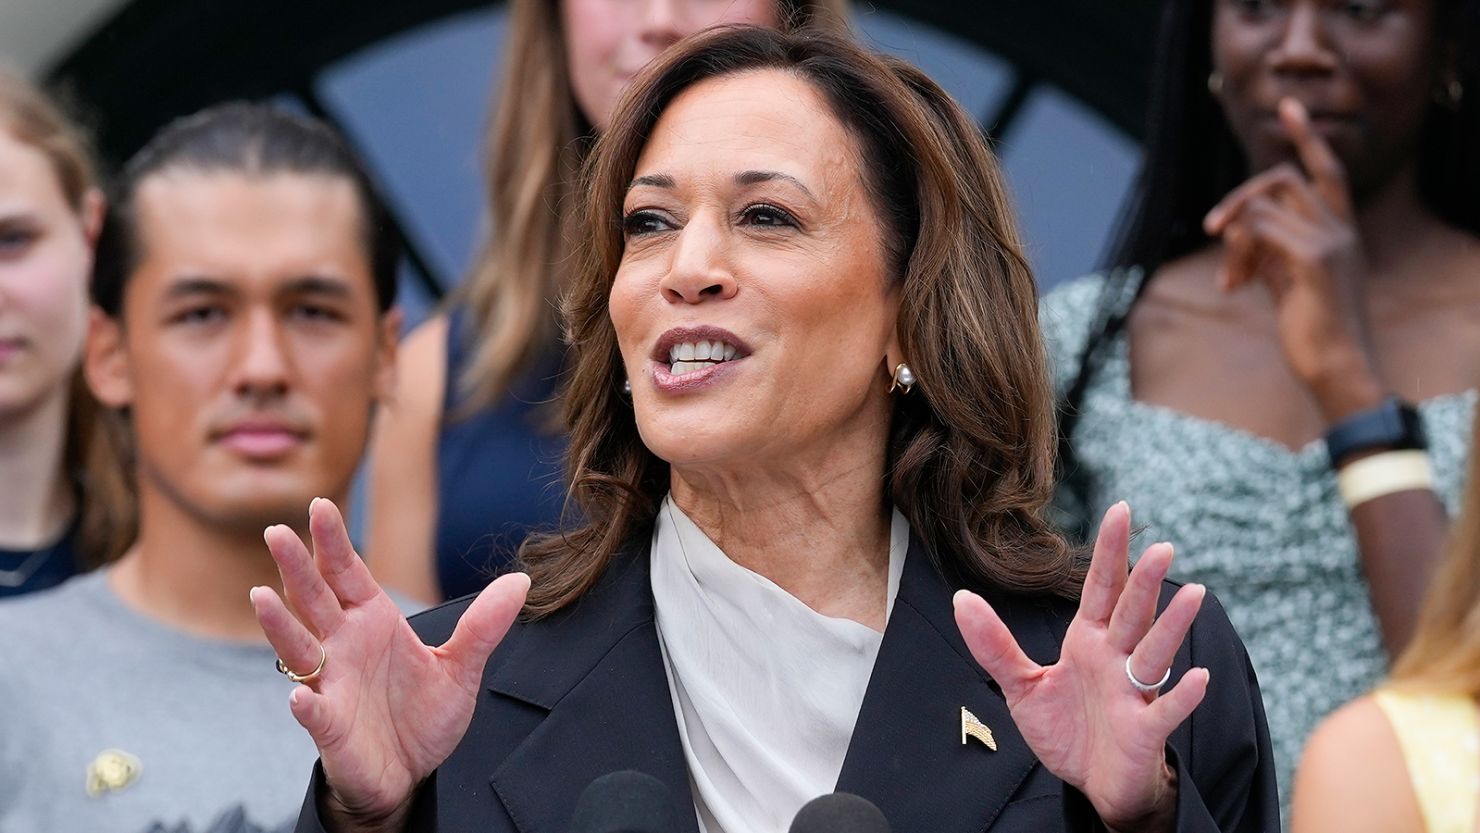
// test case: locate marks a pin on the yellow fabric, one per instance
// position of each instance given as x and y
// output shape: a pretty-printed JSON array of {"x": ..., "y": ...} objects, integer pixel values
[{"x": 1440, "y": 738}]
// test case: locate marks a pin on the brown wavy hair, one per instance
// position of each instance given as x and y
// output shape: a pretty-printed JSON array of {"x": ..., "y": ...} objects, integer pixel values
[
  {"x": 95, "y": 447},
  {"x": 1444, "y": 654},
  {"x": 970, "y": 460},
  {"x": 532, "y": 158}
]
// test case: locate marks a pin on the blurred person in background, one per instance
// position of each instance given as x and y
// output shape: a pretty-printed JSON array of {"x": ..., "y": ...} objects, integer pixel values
[
  {"x": 59, "y": 497},
  {"x": 1406, "y": 758},
  {"x": 466, "y": 459},
  {"x": 1278, "y": 371},
  {"x": 244, "y": 327}
]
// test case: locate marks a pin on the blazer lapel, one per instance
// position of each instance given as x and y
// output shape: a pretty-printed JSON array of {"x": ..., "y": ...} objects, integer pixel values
[
  {"x": 599, "y": 672},
  {"x": 596, "y": 673},
  {"x": 907, "y": 755}
]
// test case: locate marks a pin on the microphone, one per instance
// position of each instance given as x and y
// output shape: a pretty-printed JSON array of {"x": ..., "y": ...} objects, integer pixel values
[
  {"x": 625, "y": 802},
  {"x": 839, "y": 813}
]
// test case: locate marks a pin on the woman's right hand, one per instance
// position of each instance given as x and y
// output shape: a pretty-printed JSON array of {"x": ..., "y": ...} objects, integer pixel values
[
  {"x": 1295, "y": 231},
  {"x": 385, "y": 710}
]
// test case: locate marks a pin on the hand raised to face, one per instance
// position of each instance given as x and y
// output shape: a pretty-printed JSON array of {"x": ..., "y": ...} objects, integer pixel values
[{"x": 1294, "y": 232}]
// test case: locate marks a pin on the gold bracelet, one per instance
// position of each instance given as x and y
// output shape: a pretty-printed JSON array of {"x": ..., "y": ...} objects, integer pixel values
[{"x": 1383, "y": 474}]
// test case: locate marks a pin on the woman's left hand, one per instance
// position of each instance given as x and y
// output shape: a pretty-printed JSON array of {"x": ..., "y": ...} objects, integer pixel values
[{"x": 1081, "y": 716}]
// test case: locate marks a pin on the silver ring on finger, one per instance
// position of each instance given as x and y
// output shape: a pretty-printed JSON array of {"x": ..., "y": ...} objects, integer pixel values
[{"x": 1146, "y": 688}]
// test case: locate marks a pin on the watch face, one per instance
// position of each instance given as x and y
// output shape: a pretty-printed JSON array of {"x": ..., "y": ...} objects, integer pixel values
[
  {"x": 1393, "y": 424},
  {"x": 1390, "y": 412}
]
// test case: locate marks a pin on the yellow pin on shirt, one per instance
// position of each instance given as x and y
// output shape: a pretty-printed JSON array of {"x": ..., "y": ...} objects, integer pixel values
[
  {"x": 973, "y": 728},
  {"x": 111, "y": 771}
]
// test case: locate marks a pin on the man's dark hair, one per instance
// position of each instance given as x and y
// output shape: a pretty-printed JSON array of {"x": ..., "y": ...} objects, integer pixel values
[{"x": 252, "y": 140}]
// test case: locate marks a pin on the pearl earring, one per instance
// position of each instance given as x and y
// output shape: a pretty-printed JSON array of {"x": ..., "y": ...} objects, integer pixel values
[
  {"x": 904, "y": 379},
  {"x": 1453, "y": 94},
  {"x": 1215, "y": 83},
  {"x": 627, "y": 386}
]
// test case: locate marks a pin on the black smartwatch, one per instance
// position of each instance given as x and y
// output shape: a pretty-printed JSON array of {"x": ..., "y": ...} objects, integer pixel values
[{"x": 1394, "y": 424}]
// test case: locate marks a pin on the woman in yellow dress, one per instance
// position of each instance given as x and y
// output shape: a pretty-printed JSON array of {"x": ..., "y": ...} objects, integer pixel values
[{"x": 1406, "y": 757}]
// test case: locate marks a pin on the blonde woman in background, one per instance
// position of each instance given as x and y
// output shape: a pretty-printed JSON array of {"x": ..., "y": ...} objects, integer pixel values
[
  {"x": 466, "y": 460},
  {"x": 50, "y": 212},
  {"x": 1406, "y": 757}
]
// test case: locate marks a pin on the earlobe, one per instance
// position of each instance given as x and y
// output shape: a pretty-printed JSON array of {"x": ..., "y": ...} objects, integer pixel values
[
  {"x": 94, "y": 205},
  {"x": 897, "y": 368},
  {"x": 385, "y": 354},
  {"x": 105, "y": 361},
  {"x": 893, "y": 353}
]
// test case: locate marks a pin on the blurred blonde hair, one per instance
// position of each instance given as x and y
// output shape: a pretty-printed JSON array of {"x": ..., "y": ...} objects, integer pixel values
[
  {"x": 532, "y": 158},
  {"x": 1445, "y": 652},
  {"x": 95, "y": 452}
]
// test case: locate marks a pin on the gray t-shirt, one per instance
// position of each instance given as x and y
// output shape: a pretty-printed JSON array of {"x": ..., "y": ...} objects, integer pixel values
[{"x": 89, "y": 689}]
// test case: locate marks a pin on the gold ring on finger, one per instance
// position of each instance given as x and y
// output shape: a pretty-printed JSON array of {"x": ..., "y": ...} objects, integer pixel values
[{"x": 283, "y": 669}]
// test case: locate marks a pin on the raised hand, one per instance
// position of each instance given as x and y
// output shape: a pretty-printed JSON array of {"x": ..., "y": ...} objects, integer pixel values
[
  {"x": 1295, "y": 233},
  {"x": 1082, "y": 716},
  {"x": 385, "y": 709}
]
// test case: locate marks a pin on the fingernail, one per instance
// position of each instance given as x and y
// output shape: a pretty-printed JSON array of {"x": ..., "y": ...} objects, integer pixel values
[
  {"x": 293, "y": 697},
  {"x": 252, "y": 595}
]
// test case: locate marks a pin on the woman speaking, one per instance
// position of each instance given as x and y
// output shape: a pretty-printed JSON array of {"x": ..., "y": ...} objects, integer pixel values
[{"x": 811, "y": 446}]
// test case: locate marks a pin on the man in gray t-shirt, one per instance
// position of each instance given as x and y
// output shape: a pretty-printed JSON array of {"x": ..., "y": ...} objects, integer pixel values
[
  {"x": 135, "y": 723},
  {"x": 245, "y": 330}
]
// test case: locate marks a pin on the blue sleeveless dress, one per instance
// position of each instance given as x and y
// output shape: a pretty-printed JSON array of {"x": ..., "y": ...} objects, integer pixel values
[{"x": 498, "y": 470}]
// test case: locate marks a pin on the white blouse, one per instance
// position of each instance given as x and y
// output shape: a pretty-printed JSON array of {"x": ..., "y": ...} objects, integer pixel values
[{"x": 765, "y": 689}]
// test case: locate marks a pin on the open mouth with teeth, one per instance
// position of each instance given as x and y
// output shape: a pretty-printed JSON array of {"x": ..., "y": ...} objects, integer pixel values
[{"x": 690, "y": 356}]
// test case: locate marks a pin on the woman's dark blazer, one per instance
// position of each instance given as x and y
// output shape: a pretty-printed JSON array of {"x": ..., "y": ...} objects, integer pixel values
[{"x": 583, "y": 693}]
